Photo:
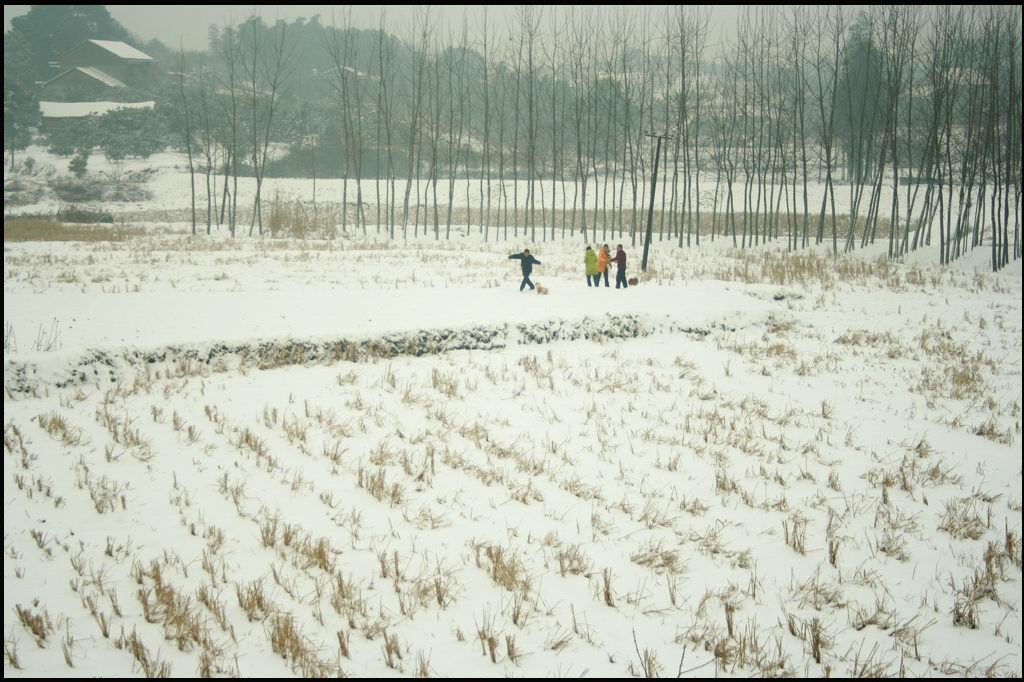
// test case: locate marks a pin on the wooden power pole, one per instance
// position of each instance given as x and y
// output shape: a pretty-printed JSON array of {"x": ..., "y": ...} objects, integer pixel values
[{"x": 654, "y": 184}]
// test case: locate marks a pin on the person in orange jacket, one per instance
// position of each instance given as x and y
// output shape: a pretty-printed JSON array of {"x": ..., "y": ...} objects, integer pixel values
[{"x": 602, "y": 265}]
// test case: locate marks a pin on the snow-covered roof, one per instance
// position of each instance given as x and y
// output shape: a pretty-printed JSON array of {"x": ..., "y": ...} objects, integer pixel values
[
  {"x": 348, "y": 70},
  {"x": 101, "y": 76},
  {"x": 80, "y": 109},
  {"x": 122, "y": 50},
  {"x": 92, "y": 72}
]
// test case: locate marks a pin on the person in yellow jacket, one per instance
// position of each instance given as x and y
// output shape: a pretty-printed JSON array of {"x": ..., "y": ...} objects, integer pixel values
[
  {"x": 602, "y": 266},
  {"x": 590, "y": 262}
]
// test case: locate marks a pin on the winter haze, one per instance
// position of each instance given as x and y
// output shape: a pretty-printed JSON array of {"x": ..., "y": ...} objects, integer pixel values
[{"x": 619, "y": 341}]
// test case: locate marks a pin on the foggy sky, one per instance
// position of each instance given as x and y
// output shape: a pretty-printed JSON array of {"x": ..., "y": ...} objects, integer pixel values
[{"x": 188, "y": 24}]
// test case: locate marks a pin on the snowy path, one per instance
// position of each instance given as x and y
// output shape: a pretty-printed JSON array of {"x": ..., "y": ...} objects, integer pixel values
[{"x": 167, "y": 317}]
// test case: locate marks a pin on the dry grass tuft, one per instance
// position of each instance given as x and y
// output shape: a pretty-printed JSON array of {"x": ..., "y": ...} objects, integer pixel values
[
  {"x": 38, "y": 624},
  {"x": 39, "y": 230}
]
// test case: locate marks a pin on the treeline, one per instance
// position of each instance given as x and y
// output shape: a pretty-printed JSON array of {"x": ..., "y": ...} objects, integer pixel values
[
  {"x": 909, "y": 117},
  {"x": 914, "y": 112}
]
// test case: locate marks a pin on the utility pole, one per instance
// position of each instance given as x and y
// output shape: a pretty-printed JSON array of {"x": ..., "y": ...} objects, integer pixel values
[{"x": 654, "y": 184}]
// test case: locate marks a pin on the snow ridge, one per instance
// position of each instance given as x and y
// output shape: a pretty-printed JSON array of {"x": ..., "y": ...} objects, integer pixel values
[{"x": 100, "y": 368}]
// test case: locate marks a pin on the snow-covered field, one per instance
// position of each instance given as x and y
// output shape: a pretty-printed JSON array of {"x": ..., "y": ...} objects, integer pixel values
[{"x": 381, "y": 459}]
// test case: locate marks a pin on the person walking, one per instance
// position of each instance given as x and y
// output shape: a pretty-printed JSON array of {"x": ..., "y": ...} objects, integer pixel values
[
  {"x": 602, "y": 265},
  {"x": 527, "y": 262},
  {"x": 620, "y": 262},
  {"x": 590, "y": 261}
]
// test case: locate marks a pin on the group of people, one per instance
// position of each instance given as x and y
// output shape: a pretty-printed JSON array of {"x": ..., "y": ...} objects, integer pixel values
[{"x": 597, "y": 264}]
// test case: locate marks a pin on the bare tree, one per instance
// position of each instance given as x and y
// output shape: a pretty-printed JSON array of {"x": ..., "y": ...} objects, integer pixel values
[
  {"x": 188, "y": 134},
  {"x": 456, "y": 64},
  {"x": 582, "y": 91},
  {"x": 266, "y": 70},
  {"x": 385, "y": 109},
  {"x": 827, "y": 65},
  {"x": 347, "y": 83},
  {"x": 418, "y": 55},
  {"x": 207, "y": 139},
  {"x": 229, "y": 50},
  {"x": 485, "y": 167}
]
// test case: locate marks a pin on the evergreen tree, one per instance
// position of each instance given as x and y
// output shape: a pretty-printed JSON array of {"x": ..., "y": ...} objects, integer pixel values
[{"x": 21, "y": 108}]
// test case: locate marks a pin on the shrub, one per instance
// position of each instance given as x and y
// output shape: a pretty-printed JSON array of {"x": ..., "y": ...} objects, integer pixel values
[
  {"x": 131, "y": 132},
  {"x": 75, "y": 190},
  {"x": 72, "y": 137},
  {"x": 78, "y": 163},
  {"x": 77, "y": 214},
  {"x": 98, "y": 188}
]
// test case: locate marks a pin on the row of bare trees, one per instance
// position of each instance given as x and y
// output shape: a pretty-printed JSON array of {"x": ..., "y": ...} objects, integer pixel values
[
  {"x": 813, "y": 124},
  {"x": 229, "y": 98}
]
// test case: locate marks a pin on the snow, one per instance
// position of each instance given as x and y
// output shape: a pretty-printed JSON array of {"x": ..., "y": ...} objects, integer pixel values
[
  {"x": 101, "y": 76},
  {"x": 123, "y": 50},
  {"x": 751, "y": 456},
  {"x": 78, "y": 109},
  {"x": 104, "y": 369},
  {"x": 166, "y": 316},
  {"x": 92, "y": 72}
]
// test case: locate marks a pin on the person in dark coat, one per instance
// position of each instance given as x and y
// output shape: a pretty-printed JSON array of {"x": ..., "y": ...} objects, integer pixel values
[
  {"x": 527, "y": 262},
  {"x": 620, "y": 262}
]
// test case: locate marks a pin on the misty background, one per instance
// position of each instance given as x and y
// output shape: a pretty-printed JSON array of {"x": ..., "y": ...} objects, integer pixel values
[
  {"x": 764, "y": 111},
  {"x": 187, "y": 25}
]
